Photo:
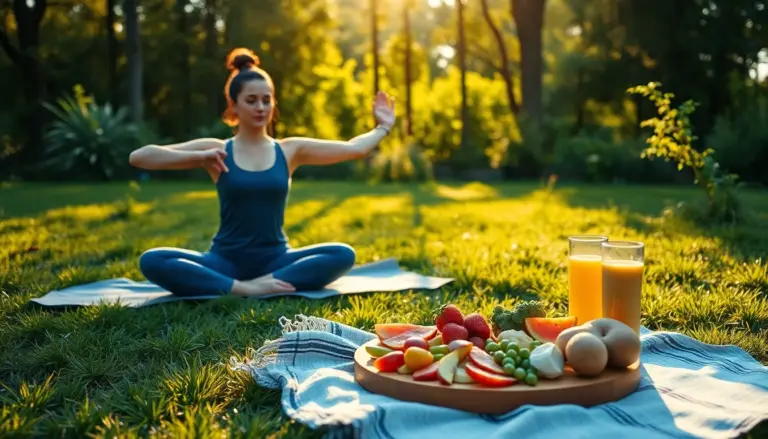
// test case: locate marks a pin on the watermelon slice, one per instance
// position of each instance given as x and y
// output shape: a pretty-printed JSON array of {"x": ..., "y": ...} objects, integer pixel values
[
  {"x": 394, "y": 335},
  {"x": 546, "y": 329}
]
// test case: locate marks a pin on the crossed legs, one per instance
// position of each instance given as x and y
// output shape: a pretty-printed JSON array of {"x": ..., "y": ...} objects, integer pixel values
[{"x": 189, "y": 273}]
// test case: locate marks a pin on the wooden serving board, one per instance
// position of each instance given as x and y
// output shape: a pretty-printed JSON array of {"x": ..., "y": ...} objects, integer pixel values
[{"x": 611, "y": 385}]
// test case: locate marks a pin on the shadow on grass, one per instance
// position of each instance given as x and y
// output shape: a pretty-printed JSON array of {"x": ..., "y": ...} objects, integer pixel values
[{"x": 640, "y": 204}]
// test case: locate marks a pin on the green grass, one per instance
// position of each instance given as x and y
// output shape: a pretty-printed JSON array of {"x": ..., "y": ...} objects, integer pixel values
[{"x": 161, "y": 370}]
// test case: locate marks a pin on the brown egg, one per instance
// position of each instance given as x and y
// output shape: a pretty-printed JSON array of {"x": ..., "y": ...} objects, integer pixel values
[{"x": 586, "y": 354}]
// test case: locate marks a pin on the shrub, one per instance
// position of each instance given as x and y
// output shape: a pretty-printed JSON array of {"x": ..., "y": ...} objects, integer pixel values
[
  {"x": 88, "y": 140},
  {"x": 740, "y": 140},
  {"x": 672, "y": 140},
  {"x": 597, "y": 158}
]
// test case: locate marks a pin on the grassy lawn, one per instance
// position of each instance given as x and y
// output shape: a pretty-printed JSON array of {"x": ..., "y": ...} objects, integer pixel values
[{"x": 162, "y": 369}]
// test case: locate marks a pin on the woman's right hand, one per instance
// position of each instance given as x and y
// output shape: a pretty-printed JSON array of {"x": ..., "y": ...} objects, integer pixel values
[{"x": 213, "y": 159}]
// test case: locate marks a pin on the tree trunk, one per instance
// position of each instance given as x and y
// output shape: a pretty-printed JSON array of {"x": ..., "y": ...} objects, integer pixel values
[
  {"x": 462, "y": 52},
  {"x": 408, "y": 72},
  {"x": 529, "y": 19},
  {"x": 133, "y": 55},
  {"x": 506, "y": 74},
  {"x": 112, "y": 54},
  {"x": 185, "y": 88},
  {"x": 211, "y": 50},
  {"x": 26, "y": 59},
  {"x": 375, "y": 44}
]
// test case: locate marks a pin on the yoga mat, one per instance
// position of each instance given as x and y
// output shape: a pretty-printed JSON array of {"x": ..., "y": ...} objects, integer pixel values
[{"x": 384, "y": 275}]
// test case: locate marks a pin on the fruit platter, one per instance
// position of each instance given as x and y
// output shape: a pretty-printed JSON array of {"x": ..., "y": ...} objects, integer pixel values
[{"x": 493, "y": 365}]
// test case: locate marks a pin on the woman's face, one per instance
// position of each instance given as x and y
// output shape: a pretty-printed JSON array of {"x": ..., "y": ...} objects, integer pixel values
[{"x": 254, "y": 106}]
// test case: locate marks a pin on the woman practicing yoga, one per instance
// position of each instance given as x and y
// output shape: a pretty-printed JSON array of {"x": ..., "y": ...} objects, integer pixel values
[{"x": 249, "y": 255}]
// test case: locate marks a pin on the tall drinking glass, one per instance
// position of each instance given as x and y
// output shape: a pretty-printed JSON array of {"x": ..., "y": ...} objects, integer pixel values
[
  {"x": 623, "y": 266},
  {"x": 585, "y": 277}
]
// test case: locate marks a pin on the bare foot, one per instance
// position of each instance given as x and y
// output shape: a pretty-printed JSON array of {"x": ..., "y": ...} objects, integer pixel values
[{"x": 261, "y": 286}]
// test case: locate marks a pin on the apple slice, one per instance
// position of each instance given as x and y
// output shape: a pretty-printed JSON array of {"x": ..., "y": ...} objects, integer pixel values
[
  {"x": 436, "y": 341},
  {"x": 448, "y": 364},
  {"x": 455, "y": 344},
  {"x": 428, "y": 373},
  {"x": 489, "y": 379},
  {"x": 484, "y": 361},
  {"x": 461, "y": 376}
]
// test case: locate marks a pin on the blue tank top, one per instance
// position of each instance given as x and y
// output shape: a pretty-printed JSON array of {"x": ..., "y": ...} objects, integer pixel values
[{"x": 252, "y": 207}]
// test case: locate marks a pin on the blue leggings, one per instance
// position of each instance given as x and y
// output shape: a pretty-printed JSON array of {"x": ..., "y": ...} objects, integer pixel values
[{"x": 190, "y": 273}]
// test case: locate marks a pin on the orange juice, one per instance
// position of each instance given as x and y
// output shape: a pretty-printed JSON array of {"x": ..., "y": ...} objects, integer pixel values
[
  {"x": 585, "y": 279},
  {"x": 622, "y": 291}
]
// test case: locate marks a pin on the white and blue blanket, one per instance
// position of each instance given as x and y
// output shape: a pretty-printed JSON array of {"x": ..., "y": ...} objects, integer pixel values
[{"x": 688, "y": 390}]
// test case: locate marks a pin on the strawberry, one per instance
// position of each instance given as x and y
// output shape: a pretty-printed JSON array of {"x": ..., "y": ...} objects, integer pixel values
[
  {"x": 477, "y": 326},
  {"x": 454, "y": 331},
  {"x": 449, "y": 313}
]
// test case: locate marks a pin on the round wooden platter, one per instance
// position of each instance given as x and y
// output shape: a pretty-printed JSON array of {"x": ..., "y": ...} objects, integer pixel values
[{"x": 611, "y": 385}]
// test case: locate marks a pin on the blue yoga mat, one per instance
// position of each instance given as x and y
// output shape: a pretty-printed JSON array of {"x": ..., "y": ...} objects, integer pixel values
[{"x": 381, "y": 276}]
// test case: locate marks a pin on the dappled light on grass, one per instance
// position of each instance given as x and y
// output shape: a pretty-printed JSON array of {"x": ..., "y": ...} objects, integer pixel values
[
  {"x": 162, "y": 368},
  {"x": 196, "y": 195},
  {"x": 473, "y": 191}
]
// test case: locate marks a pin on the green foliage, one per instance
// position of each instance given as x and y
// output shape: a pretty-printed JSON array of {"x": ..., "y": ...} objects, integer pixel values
[
  {"x": 88, "y": 140},
  {"x": 672, "y": 140},
  {"x": 216, "y": 129},
  {"x": 161, "y": 371},
  {"x": 739, "y": 139},
  {"x": 491, "y": 128},
  {"x": 401, "y": 161},
  {"x": 598, "y": 157},
  {"x": 319, "y": 55}
]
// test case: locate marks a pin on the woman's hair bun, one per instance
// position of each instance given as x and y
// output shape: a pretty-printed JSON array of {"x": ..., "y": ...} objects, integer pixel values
[{"x": 241, "y": 59}]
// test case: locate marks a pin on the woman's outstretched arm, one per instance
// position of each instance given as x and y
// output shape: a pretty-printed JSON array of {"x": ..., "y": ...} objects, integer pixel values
[
  {"x": 187, "y": 155},
  {"x": 308, "y": 151}
]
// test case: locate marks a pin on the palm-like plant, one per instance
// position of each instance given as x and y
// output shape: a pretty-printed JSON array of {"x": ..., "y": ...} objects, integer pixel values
[{"x": 87, "y": 139}]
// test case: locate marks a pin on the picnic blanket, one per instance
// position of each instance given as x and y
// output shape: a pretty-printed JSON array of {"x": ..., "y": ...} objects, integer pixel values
[
  {"x": 380, "y": 276},
  {"x": 688, "y": 389}
]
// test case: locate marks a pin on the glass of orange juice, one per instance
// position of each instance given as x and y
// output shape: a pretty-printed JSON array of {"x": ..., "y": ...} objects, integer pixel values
[
  {"x": 585, "y": 277},
  {"x": 623, "y": 266}
]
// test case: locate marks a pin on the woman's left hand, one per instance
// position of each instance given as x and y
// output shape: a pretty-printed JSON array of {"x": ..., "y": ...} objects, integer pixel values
[{"x": 384, "y": 109}]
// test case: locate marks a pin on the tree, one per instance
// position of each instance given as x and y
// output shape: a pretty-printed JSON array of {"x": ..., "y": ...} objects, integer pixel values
[
  {"x": 529, "y": 19},
  {"x": 408, "y": 74},
  {"x": 133, "y": 57},
  {"x": 26, "y": 57},
  {"x": 462, "y": 52},
  {"x": 503, "y": 66}
]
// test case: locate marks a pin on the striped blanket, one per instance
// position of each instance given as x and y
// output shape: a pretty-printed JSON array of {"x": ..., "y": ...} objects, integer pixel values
[{"x": 688, "y": 390}]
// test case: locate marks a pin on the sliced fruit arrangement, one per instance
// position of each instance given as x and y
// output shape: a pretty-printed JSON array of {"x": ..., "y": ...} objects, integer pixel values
[
  {"x": 520, "y": 345},
  {"x": 394, "y": 335},
  {"x": 546, "y": 329}
]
